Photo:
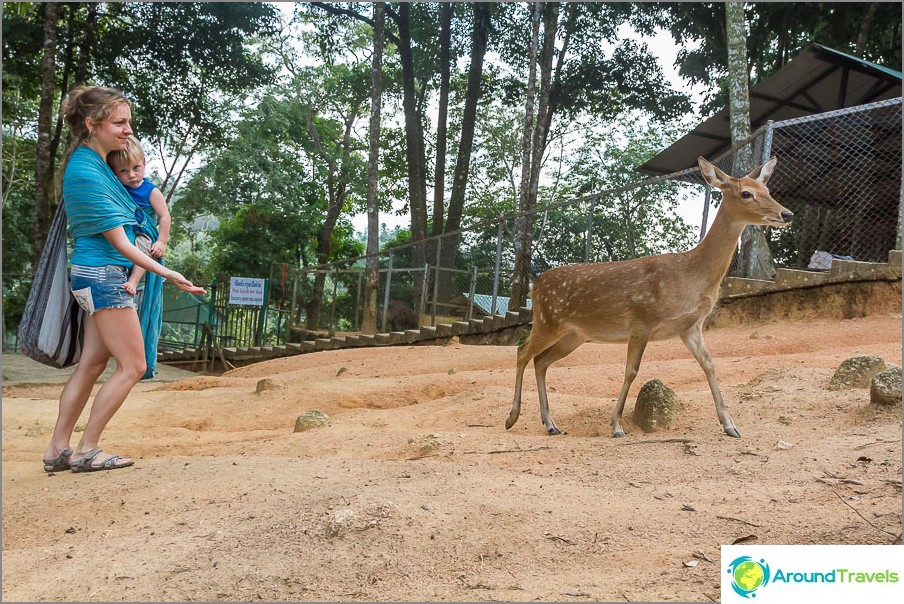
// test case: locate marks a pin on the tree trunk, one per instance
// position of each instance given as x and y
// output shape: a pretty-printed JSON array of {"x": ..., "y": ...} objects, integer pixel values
[
  {"x": 414, "y": 146},
  {"x": 43, "y": 151},
  {"x": 81, "y": 70},
  {"x": 528, "y": 196},
  {"x": 336, "y": 193},
  {"x": 524, "y": 223},
  {"x": 439, "y": 180},
  {"x": 754, "y": 258},
  {"x": 479, "y": 35},
  {"x": 372, "y": 271},
  {"x": 866, "y": 26}
]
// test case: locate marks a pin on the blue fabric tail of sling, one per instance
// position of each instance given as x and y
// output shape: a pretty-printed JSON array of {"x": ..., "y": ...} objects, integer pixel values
[{"x": 150, "y": 314}]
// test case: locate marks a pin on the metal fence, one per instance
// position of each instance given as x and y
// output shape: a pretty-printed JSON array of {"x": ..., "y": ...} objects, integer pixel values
[{"x": 839, "y": 172}]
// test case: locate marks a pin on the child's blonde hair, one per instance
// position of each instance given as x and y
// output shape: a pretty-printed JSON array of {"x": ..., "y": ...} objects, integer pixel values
[{"x": 133, "y": 153}]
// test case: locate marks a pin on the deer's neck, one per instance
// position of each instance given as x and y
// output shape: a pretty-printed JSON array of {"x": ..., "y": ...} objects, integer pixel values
[{"x": 715, "y": 252}]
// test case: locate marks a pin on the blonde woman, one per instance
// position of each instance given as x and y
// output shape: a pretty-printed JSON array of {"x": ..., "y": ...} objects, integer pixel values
[{"x": 101, "y": 221}]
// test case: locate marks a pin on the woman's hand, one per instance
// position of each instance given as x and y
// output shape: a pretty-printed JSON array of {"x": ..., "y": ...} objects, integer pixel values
[{"x": 182, "y": 283}]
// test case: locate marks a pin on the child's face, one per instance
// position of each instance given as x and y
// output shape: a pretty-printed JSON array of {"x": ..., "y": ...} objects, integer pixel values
[{"x": 131, "y": 174}]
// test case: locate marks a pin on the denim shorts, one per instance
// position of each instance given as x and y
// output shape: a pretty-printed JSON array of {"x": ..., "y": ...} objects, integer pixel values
[{"x": 98, "y": 287}]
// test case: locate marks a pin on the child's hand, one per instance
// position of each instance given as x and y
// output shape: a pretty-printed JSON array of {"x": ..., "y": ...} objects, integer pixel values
[
  {"x": 131, "y": 288},
  {"x": 158, "y": 249}
]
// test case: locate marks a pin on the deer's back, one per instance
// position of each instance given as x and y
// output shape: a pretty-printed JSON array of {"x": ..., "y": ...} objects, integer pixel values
[{"x": 608, "y": 301}]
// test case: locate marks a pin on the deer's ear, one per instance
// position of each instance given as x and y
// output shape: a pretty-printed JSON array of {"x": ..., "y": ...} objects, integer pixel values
[
  {"x": 713, "y": 175},
  {"x": 763, "y": 172}
]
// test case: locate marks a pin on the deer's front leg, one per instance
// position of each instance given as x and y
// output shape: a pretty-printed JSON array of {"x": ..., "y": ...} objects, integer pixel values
[
  {"x": 636, "y": 345},
  {"x": 693, "y": 339}
]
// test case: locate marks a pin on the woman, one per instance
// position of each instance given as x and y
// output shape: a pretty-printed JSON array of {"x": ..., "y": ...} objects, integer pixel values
[{"x": 101, "y": 220}]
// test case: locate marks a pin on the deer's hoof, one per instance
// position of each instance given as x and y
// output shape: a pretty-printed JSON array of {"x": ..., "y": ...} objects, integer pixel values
[
  {"x": 618, "y": 434},
  {"x": 553, "y": 431},
  {"x": 732, "y": 432},
  {"x": 510, "y": 421}
]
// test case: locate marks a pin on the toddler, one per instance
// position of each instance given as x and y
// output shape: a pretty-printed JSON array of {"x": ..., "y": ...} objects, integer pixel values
[{"x": 128, "y": 166}]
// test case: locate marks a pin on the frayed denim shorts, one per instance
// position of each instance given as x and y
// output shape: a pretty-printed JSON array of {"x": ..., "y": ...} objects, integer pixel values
[{"x": 98, "y": 287}]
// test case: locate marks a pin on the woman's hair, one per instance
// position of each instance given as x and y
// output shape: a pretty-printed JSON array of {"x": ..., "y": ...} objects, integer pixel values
[
  {"x": 96, "y": 102},
  {"x": 132, "y": 154}
]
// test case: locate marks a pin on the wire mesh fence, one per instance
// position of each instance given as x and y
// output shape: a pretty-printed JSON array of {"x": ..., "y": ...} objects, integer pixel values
[{"x": 839, "y": 172}]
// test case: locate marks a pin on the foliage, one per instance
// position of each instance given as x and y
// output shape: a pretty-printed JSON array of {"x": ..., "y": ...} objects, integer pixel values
[{"x": 776, "y": 33}]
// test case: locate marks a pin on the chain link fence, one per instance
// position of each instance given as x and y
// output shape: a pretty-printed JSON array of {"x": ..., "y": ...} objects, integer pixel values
[{"x": 839, "y": 172}]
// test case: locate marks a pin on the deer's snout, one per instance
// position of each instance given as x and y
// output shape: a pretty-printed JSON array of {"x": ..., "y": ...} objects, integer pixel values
[{"x": 787, "y": 216}]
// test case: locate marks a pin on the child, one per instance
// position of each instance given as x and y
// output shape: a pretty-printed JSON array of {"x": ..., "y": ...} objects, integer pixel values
[{"x": 128, "y": 166}]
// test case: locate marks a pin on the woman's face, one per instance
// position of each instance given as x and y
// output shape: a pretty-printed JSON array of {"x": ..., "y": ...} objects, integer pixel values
[{"x": 112, "y": 134}]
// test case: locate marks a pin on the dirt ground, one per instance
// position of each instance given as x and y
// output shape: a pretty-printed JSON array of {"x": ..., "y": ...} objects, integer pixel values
[{"x": 415, "y": 491}]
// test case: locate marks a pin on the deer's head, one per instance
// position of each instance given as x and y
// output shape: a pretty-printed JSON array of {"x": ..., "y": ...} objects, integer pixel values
[{"x": 747, "y": 198}]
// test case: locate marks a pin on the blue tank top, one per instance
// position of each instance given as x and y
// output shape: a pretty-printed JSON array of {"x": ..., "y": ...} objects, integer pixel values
[{"x": 142, "y": 195}]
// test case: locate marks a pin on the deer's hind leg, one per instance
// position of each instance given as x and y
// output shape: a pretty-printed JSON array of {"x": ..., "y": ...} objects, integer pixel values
[
  {"x": 535, "y": 345},
  {"x": 560, "y": 350}
]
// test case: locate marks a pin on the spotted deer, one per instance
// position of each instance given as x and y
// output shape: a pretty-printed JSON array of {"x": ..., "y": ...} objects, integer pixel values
[{"x": 639, "y": 300}]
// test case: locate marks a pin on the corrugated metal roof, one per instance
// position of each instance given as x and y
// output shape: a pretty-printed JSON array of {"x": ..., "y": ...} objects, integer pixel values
[{"x": 817, "y": 80}]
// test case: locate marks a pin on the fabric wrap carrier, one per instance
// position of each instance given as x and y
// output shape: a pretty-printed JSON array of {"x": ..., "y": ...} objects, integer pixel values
[{"x": 94, "y": 201}]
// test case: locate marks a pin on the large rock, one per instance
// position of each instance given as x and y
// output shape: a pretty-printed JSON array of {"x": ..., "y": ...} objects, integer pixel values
[
  {"x": 655, "y": 406},
  {"x": 857, "y": 372},
  {"x": 311, "y": 419},
  {"x": 885, "y": 389}
]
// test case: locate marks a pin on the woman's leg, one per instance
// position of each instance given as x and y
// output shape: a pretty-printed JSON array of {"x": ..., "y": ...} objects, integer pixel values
[
  {"x": 120, "y": 333},
  {"x": 78, "y": 388}
]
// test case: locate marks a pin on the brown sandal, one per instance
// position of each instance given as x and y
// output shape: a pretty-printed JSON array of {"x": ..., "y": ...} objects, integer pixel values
[
  {"x": 85, "y": 463},
  {"x": 58, "y": 463}
]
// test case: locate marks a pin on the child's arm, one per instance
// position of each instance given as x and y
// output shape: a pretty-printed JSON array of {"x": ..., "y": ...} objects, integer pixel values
[
  {"x": 131, "y": 286},
  {"x": 158, "y": 203}
]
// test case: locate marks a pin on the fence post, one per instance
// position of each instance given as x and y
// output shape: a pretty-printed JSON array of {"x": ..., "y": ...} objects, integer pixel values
[
  {"x": 900, "y": 237},
  {"x": 213, "y": 318},
  {"x": 262, "y": 321},
  {"x": 498, "y": 265},
  {"x": 358, "y": 302},
  {"x": 589, "y": 230},
  {"x": 707, "y": 195},
  {"x": 471, "y": 291},
  {"x": 423, "y": 305},
  {"x": 332, "y": 329},
  {"x": 386, "y": 293},
  {"x": 294, "y": 296},
  {"x": 436, "y": 277}
]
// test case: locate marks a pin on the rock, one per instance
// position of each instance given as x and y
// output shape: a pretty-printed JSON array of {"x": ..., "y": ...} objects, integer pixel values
[
  {"x": 264, "y": 384},
  {"x": 340, "y": 521},
  {"x": 311, "y": 419},
  {"x": 885, "y": 388},
  {"x": 655, "y": 406},
  {"x": 857, "y": 372}
]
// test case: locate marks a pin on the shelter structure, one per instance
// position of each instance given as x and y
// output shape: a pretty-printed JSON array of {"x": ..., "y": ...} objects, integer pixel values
[{"x": 834, "y": 123}]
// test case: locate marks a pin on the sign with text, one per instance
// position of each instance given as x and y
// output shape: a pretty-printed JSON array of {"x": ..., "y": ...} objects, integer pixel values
[{"x": 245, "y": 291}]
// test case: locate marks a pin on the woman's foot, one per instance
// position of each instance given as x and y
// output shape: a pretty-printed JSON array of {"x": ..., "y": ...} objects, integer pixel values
[
  {"x": 58, "y": 463},
  {"x": 96, "y": 460}
]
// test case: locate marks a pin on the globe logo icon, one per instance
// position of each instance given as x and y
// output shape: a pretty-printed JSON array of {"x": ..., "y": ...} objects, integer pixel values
[{"x": 748, "y": 575}]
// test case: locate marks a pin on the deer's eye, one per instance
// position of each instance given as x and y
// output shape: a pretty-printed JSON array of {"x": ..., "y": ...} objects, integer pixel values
[{"x": 746, "y": 194}]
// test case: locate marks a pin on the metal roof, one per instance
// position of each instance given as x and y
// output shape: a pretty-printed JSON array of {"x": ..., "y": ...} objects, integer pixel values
[{"x": 817, "y": 80}]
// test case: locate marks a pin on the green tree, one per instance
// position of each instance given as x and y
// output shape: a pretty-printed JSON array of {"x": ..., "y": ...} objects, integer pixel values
[
  {"x": 167, "y": 57},
  {"x": 777, "y": 31}
]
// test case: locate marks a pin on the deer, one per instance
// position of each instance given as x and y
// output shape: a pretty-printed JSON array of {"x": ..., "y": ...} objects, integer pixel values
[{"x": 644, "y": 299}]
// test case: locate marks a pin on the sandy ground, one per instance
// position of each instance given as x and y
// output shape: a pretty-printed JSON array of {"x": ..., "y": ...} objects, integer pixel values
[{"x": 416, "y": 491}]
